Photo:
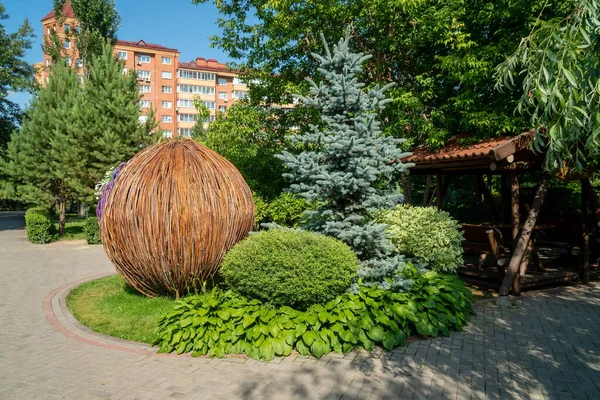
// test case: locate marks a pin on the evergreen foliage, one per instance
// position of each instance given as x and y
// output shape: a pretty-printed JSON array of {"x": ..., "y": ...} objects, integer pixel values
[
  {"x": 349, "y": 167},
  {"x": 16, "y": 75},
  {"x": 91, "y": 229},
  {"x": 107, "y": 119},
  {"x": 47, "y": 154},
  {"x": 289, "y": 267}
]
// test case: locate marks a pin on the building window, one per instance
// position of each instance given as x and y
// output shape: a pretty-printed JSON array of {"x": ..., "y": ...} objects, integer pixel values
[
  {"x": 223, "y": 95},
  {"x": 47, "y": 63},
  {"x": 125, "y": 71},
  {"x": 187, "y": 117},
  {"x": 167, "y": 119},
  {"x": 144, "y": 88},
  {"x": 67, "y": 44},
  {"x": 122, "y": 55},
  {"x": 209, "y": 104},
  {"x": 209, "y": 119},
  {"x": 167, "y": 133},
  {"x": 167, "y": 89},
  {"x": 203, "y": 76},
  {"x": 222, "y": 81},
  {"x": 195, "y": 89},
  {"x": 142, "y": 74},
  {"x": 185, "y": 132},
  {"x": 185, "y": 103},
  {"x": 166, "y": 60},
  {"x": 79, "y": 62},
  {"x": 166, "y": 75},
  {"x": 239, "y": 94},
  {"x": 80, "y": 78},
  {"x": 68, "y": 61},
  {"x": 167, "y": 104},
  {"x": 145, "y": 103},
  {"x": 67, "y": 28},
  {"x": 143, "y": 118},
  {"x": 237, "y": 81},
  {"x": 222, "y": 108},
  {"x": 48, "y": 31},
  {"x": 143, "y": 59}
]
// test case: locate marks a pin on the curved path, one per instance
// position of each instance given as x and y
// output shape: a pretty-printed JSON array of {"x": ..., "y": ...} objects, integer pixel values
[{"x": 544, "y": 346}]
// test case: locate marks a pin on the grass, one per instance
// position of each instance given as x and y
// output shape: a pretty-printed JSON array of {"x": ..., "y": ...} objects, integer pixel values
[
  {"x": 73, "y": 227},
  {"x": 110, "y": 306}
]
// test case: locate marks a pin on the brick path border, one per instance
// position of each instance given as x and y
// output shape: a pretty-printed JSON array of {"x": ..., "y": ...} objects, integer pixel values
[{"x": 58, "y": 315}]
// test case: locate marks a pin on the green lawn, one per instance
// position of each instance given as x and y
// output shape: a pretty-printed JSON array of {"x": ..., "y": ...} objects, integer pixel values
[
  {"x": 73, "y": 227},
  {"x": 111, "y": 307}
]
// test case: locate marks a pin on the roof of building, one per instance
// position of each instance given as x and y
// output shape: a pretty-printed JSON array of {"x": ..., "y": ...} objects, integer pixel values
[
  {"x": 67, "y": 12},
  {"x": 144, "y": 45},
  {"x": 203, "y": 64},
  {"x": 455, "y": 154}
]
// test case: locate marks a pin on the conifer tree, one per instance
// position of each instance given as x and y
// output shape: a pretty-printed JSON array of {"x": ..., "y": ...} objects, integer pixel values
[
  {"x": 45, "y": 157},
  {"x": 349, "y": 167},
  {"x": 107, "y": 120}
]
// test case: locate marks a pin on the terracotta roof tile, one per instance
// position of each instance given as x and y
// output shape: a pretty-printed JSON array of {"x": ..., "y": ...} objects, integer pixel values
[
  {"x": 453, "y": 150},
  {"x": 67, "y": 12}
]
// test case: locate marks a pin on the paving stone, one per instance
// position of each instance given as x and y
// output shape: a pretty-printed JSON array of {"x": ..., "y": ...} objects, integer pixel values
[{"x": 544, "y": 345}]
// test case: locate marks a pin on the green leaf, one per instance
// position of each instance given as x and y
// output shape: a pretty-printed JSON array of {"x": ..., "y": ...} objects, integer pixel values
[
  {"x": 300, "y": 329},
  {"x": 248, "y": 320},
  {"x": 348, "y": 337},
  {"x": 302, "y": 348},
  {"x": 266, "y": 350},
  {"x": 223, "y": 314},
  {"x": 308, "y": 337},
  {"x": 290, "y": 337},
  {"x": 274, "y": 330},
  {"x": 318, "y": 348},
  {"x": 279, "y": 346},
  {"x": 376, "y": 333}
]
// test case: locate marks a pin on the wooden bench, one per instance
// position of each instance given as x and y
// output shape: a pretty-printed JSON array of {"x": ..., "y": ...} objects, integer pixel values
[{"x": 485, "y": 240}]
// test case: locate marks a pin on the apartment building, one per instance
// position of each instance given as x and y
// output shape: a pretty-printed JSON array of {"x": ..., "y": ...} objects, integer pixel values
[{"x": 168, "y": 86}]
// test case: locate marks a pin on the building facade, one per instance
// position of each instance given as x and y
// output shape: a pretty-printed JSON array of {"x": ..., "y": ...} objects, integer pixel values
[{"x": 169, "y": 87}]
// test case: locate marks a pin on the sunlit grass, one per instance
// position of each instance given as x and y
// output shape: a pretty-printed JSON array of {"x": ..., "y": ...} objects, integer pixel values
[{"x": 111, "y": 307}]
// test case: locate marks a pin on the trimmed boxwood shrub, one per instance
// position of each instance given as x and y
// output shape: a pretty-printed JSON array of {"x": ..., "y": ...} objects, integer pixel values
[
  {"x": 91, "y": 229},
  {"x": 289, "y": 267},
  {"x": 39, "y": 226},
  {"x": 219, "y": 323},
  {"x": 426, "y": 234}
]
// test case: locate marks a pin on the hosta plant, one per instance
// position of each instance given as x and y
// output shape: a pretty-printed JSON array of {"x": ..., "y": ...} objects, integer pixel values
[{"x": 219, "y": 323}]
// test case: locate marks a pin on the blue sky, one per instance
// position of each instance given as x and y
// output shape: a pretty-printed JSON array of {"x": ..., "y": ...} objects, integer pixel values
[{"x": 173, "y": 23}]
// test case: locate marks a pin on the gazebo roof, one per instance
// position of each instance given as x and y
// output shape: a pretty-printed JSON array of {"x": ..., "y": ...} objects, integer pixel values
[{"x": 496, "y": 154}]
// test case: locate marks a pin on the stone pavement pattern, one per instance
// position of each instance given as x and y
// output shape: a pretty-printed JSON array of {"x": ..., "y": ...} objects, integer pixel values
[{"x": 546, "y": 346}]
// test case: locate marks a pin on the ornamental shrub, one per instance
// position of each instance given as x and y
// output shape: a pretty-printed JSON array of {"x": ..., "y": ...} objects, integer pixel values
[
  {"x": 219, "y": 323},
  {"x": 39, "y": 226},
  {"x": 284, "y": 210},
  {"x": 91, "y": 229},
  {"x": 289, "y": 267},
  {"x": 427, "y": 234}
]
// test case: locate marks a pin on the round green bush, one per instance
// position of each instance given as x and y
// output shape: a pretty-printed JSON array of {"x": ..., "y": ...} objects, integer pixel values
[
  {"x": 289, "y": 267},
  {"x": 91, "y": 229},
  {"x": 39, "y": 226},
  {"x": 427, "y": 234}
]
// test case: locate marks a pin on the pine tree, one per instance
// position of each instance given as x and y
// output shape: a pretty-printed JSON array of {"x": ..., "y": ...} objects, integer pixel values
[
  {"x": 45, "y": 157},
  {"x": 107, "y": 118},
  {"x": 349, "y": 168}
]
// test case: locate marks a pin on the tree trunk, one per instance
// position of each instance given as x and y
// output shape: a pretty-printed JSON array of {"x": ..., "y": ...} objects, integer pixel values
[
  {"x": 62, "y": 210},
  {"x": 407, "y": 188},
  {"x": 585, "y": 240},
  {"x": 519, "y": 249}
]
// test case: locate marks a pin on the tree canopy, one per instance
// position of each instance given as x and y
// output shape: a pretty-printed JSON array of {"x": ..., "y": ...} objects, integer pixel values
[
  {"x": 441, "y": 54},
  {"x": 559, "y": 67}
]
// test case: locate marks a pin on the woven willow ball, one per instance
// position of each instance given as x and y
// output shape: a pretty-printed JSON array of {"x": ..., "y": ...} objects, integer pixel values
[{"x": 174, "y": 211}]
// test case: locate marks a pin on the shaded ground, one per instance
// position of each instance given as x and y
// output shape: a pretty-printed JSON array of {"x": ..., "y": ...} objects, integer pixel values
[{"x": 544, "y": 346}]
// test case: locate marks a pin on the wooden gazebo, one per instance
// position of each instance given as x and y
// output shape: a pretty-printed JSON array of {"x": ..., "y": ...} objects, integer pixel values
[{"x": 508, "y": 157}]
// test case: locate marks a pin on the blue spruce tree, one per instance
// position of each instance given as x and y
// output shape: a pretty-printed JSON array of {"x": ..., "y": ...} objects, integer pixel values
[{"x": 349, "y": 168}]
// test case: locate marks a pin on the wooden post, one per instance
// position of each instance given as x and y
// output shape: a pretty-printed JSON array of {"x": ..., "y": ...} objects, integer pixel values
[
  {"x": 487, "y": 195},
  {"x": 585, "y": 245},
  {"x": 520, "y": 247},
  {"x": 514, "y": 206},
  {"x": 438, "y": 190},
  {"x": 426, "y": 193}
]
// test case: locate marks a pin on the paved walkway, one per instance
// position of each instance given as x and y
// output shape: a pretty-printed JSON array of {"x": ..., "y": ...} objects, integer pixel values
[{"x": 545, "y": 346}]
